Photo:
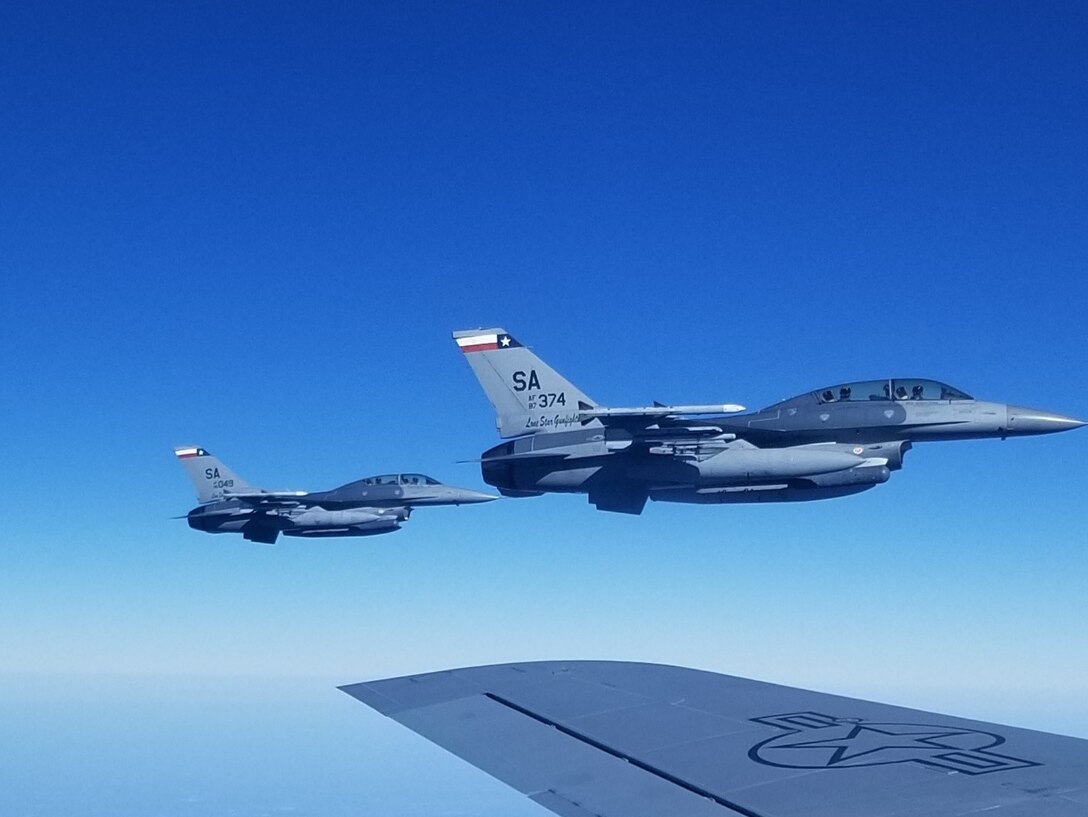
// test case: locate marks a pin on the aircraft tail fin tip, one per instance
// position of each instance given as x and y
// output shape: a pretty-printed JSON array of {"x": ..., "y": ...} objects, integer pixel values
[{"x": 211, "y": 478}]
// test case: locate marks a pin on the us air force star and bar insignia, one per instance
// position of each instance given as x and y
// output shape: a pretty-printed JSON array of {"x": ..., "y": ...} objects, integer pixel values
[
  {"x": 815, "y": 741},
  {"x": 486, "y": 342}
]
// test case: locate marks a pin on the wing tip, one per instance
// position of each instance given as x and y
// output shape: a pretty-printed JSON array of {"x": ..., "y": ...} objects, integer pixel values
[{"x": 365, "y": 693}]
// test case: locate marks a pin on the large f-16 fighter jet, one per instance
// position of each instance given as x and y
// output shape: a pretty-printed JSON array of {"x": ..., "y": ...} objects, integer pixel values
[
  {"x": 613, "y": 739},
  {"x": 229, "y": 504},
  {"x": 833, "y": 441}
]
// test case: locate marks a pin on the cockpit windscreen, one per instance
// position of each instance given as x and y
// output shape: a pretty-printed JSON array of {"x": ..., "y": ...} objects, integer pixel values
[
  {"x": 892, "y": 389},
  {"x": 401, "y": 479}
]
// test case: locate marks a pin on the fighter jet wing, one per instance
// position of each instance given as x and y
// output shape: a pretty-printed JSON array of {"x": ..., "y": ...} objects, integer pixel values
[
  {"x": 521, "y": 455},
  {"x": 610, "y": 739}
]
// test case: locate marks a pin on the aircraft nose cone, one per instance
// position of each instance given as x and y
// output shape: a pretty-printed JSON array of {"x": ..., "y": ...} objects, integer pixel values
[{"x": 1032, "y": 421}]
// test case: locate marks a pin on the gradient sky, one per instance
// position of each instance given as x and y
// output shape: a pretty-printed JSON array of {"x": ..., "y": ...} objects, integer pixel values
[{"x": 253, "y": 226}]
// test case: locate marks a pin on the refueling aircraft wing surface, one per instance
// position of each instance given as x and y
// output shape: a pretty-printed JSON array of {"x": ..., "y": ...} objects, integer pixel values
[{"x": 612, "y": 739}]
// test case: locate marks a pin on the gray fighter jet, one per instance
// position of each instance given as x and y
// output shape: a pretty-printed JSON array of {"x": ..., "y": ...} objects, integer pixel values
[
  {"x": 229, "y": 504},
  {"x": 831, "y": 442}
]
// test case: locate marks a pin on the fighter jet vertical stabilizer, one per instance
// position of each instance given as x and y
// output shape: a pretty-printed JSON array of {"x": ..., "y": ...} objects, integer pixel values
[
  {"x": 528, "y": 395},
  {"x": 211, "y": 478}
]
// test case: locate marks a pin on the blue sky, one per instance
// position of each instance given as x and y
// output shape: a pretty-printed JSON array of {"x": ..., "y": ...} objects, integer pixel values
[{"x": 253, "y": 226}]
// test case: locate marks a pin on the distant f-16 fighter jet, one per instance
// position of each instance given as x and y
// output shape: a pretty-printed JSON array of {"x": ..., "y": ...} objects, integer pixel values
[
  {"x": 833, "y": 441},
  {"x": 229, "y": 504}
]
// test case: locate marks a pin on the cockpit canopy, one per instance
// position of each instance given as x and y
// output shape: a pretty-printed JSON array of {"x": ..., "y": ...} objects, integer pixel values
[
  {"x": 898, "y": 389},
  {"x": 400, "y": 479}
]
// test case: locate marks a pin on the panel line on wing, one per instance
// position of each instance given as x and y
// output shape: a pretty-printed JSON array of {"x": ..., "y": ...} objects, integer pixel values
[{"x": 634, "y": 761}]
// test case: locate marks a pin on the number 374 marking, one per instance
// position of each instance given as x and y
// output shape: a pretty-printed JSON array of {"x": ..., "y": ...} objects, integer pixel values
[{"x": 547, "y": 400}]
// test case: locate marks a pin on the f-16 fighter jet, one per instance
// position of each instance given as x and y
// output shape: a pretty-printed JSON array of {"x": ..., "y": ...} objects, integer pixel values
[
  {"x": 833, "y": 441},
  {"x": 229, "y": 504}
]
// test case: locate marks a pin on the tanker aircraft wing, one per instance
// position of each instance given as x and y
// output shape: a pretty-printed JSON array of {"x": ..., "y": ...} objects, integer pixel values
[{"x": 612, "y": 739}]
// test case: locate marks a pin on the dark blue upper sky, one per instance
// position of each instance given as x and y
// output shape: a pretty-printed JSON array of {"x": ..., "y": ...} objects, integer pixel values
[{"x": 252, "y": 227}]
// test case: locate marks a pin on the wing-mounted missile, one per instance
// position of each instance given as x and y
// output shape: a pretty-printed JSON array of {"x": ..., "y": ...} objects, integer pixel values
[
  {"x": 586, "y": 412},
  {"x": 266, "y": 498}
]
